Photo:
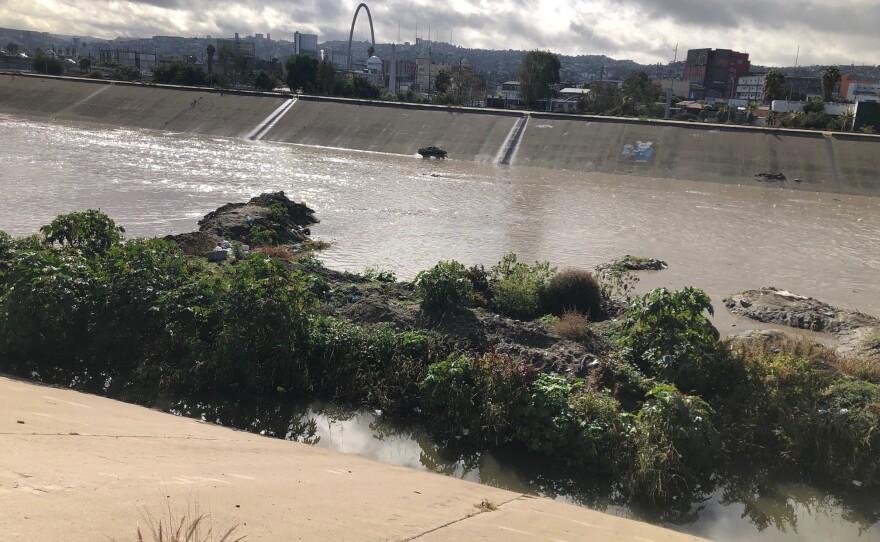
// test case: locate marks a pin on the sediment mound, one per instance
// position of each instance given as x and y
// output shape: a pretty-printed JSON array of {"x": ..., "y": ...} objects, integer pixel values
[
  {"x": 857, "y": 333},
  {"x": 270, "y": 212}
]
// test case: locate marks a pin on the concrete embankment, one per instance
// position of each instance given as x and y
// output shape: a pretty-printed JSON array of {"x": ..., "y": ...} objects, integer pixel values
[
  {"x": 809, "y": 160},
  {"x": 81, "y": 467},
  {"x": 202, "y": 111},
  {"x": 393, "y": 128}
]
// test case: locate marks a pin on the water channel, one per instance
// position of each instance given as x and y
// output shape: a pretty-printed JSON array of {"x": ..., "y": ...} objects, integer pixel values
[{"x": 405, "y": 214}]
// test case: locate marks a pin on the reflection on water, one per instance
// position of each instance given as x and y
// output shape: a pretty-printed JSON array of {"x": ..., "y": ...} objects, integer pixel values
[{"x": 737, "y": 504}]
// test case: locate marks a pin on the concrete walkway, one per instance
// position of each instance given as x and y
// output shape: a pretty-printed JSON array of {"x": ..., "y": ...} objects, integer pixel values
[{"x": 81, "y": 467}]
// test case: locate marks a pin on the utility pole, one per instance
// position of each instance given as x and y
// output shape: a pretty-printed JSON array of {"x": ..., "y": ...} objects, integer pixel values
[
  {"x": 797, "y": 57},
  {"x": 668, "y": 114}
]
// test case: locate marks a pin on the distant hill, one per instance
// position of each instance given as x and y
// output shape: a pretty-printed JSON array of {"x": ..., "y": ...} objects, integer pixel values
[{"x": 493, "y": 65}]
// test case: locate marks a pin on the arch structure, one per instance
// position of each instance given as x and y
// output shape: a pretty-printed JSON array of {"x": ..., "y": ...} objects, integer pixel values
[{"x": 351, "y": 34}]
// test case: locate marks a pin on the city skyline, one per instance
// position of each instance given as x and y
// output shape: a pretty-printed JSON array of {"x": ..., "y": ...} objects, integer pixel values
[{"x": 642, "y": 30}]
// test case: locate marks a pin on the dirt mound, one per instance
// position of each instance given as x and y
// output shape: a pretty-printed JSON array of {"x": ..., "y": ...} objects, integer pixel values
[
  {"x": 285, "y": 220},
  {"x": 857, "y": 333}
]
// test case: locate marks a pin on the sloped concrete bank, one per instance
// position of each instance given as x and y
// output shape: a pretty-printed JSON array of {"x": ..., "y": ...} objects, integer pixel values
[
  {"x": 201, "y": 111},
  {"x": 790, "y": 159},
  {"x": 81, "y": 467}
]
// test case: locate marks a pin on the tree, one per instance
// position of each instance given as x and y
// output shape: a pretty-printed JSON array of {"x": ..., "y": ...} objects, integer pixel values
[
  {"x": 179, "y": 73},
  {"x": 50, "y": 65},
  {"x": 639, "y": 87},
  {"x": 848, "y": 119},
  {"x": 325, "y": 77},
  {"x": 774, "y": 86},
  {"x": 85, "y": 64},
  {"x": 537, "y": 72},
  {"x": 830, "y": 77},
  {"x": 371, "y": 51},
  {"x": 302, "y": 72},
  {"x": 265, "y": 81},
  {"x": 751, "y": 112},
  {"x": 11, "y": 47},
  {"x": 724, "y": 113},
  {"x": 442, "y": 81},
  {"x": 210, "y": 50}
]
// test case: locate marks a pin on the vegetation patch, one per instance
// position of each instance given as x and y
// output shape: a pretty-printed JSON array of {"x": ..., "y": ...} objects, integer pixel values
[{"x": 653, "y": 398}]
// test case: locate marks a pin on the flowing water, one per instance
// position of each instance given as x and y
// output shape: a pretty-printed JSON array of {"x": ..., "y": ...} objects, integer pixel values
[{"x": 405, "y": 214}]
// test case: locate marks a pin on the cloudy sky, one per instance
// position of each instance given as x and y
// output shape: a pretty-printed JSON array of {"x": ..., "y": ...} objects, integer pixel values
[{"x": 828, "y": 32}]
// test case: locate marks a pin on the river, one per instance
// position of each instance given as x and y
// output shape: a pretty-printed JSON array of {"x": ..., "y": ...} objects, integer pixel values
[{"x": 405, "y": 214}]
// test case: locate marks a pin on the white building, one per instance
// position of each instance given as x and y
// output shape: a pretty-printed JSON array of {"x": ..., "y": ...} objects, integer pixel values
[
  {"x": 750, "y": 88},
  {"x": 863, "y": 92},
  {"x": 306, "y": 44}
]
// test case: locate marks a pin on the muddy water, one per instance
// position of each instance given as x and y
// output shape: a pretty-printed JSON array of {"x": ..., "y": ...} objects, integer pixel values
[{"x": 405, "y": 214}]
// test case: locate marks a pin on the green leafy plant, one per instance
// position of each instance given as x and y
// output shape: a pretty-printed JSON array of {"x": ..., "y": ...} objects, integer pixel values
[
  {"x": 475, "y": 398},
  {"x": 444, "y": 287},
  {"x": 377, "y": 275},
  {"x": 671, "y": 443},
  {"x": 667, "y": 334},
  {"x": 261, "y": 237},
  {"x": 516, "y": 287},
  {"x": 92, "y": 232}
]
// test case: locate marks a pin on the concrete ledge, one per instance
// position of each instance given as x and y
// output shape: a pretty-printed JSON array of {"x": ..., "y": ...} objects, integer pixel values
[{"x": 81, "y": 467}]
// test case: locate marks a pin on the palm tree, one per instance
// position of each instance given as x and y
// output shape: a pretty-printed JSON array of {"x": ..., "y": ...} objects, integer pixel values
[
  {"x": 848, "y": 119},
  {"x": 830, "y": 77},
  {"x": 751, "y": 110},
  {"x": 210, "y": 50},
  {"x": 724, "y": 112},
  {"x": 774, "y": 86}
]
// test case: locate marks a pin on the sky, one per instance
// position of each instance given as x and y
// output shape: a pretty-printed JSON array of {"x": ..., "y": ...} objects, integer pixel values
[{"x": 828, "y": 32}]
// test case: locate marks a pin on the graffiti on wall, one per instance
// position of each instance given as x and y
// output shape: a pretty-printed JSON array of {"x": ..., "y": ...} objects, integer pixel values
[{"x": 640, "y": 151}]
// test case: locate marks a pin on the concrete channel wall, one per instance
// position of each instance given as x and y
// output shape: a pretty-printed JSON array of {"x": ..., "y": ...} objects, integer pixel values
[
  {"x": 392, "y": 128},
  {"x": 815, "y": 161},
  {"x": 202, "y": 111}
]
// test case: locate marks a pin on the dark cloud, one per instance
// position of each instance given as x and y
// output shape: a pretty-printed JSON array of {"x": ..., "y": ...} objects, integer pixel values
[{"x": 644, "y": 30}]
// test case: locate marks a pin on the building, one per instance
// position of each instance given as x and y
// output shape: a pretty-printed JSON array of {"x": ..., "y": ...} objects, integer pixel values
[
  {"x": 859, "y": 89},
  {"x": 306, "y": 44},
  {"x": 427, "y": 70},
  {"x": 750, "y": 88},
  {"x": 803, "y": 88},
  {"x": 228, "y": 49},
  {"x": 123, "y": 57},
  {"x": 713, "y": 73}
]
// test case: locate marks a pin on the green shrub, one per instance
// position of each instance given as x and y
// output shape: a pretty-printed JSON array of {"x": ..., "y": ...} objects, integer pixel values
[
  {"x": 444, "y": 287},
  {"x": 377, "y": 275},
  {"x": 92, "y": 232},
  {"x": 572, "y": 290},
  {"x": 481, "y": 292},
  {"x": 671, "y": 443},
  {"x": 546, "y": 422},
  {"x": 475, "y": 398},
  {"x": 795, "y": 407},
  {"x": 516, "y": 287},
  {"x": 7, "y": 246},
  {"x": 376, "y": 366},
  {"x": 599, "y": 429},
  {"x": 47, "y": 312},
  {"x": 261, "y": 237},
  {"x": 666, "y": 334},
  {"x": 262, "y": 343}
]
